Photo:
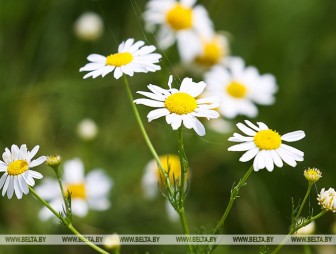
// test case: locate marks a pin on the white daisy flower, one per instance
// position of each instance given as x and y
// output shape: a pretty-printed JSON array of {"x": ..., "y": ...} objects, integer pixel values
[
  {"x": 309, "y": 229},
  {"x": 131, "y": 57},
  {"x": 87, "y": 192},
  {"x": 152, "y": 179},
  {"x": 180, "y": 21},
  {"x": 266, "y": 146},
  {"x": 241, "y": 87},
  {"x": 17, "y": 164},
  {"x": 180, "y": 106},
  {"x": 89, "y": 26},
  {"x": 327, "y": 199},
  {"x": 87, "y": 129},
  {"x": 214, "y": 50}
]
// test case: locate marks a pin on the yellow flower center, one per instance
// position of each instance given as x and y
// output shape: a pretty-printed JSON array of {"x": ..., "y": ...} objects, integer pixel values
[
  {"x": 17, "y": 167},
  {"x": 180, "y": 103},
  {"x": 77, "y": 190},
  {"x": 236, "y": 89},
  {"x": 267, "y": 139},
  {"x": 171, "y": 164},
  {"x": 119, "y": 59},
  {"x": 312, "y": 174},
  {"x": 179, "y": 17},
  {"x": 211, "y": 55}
]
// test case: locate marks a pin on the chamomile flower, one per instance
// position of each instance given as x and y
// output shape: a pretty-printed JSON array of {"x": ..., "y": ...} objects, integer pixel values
[
  {"x": 214, "y": 51},
  {"x": 89, "y": 26},
  {"x": 266, "y": 146},
  {"x": 180, "y": 21},
  {"x": 180, "y": 106},
  {"x": 241, "y": 88},
  {"x": 131, "y": 57},
  {"x": 327, "y": 199},
  {"x": 16, "y": 165},
  {"x": 152, "y": 179},
  {"x": 87, "y": 192}
]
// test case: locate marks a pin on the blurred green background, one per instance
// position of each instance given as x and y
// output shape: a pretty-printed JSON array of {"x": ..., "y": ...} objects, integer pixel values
[{"x": 43, "y": 98}]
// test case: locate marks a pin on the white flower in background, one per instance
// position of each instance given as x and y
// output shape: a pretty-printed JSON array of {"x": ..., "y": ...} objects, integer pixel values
[
  {"x": 307, "y": 230},
  {"x": 131, "y": 57},
  {"x": 87, "y": 129},
  {"x": 180, "y": 106},
  {"x": 241, "y": 88},
  {"x": 214, "y": 50},
  {"x": 16, "y": 165},
  {"x": 266, "y": 146},
  {"x": 87, "y": 192},
  {"x": 327, "y": 199},
  {"x": 152, "y": 179},
  {"x": 220, "y": 125},
  {"x": 112, "y": 242},
  {"x": 180, "y": 21},
  {"x": 89, "y": 26}
]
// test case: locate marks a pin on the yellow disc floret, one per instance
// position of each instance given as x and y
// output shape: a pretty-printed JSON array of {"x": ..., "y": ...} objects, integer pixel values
[
  {"x": 171, "y": 164},
  {"x": 179, "y": 17},
  {"x": 77, "y": 190},
  {"x": 17, "y": 167},
  {"x": 267, "y": 140},
  {"x": 312, "y": 174},
  {"x": 119, "y": 59},
  {"x": 180, "y": 103},
  {"x": 211, "y": 54},
  {"x": 236, "y": 89}
]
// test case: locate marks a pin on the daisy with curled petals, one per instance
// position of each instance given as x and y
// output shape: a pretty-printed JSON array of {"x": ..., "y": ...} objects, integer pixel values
[
  {"x": 87, "y": 192},
  {"x": 266, "y": 146},
  {"x": 180, "y": 105},
  {"x": 17, "y": 164},
  {"x": 131, "y": 57},
  {"x": 180, "y": 21},
  {"x": 241, "y": 87},
  {"x": 327, "y": 199}
]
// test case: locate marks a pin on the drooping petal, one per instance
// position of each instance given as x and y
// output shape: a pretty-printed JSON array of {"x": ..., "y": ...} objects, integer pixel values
[{"x": 293, "y": 136}]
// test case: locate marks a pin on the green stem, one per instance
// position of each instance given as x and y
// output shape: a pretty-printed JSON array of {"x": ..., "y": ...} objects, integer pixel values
[
  {"x": 67, "y": 223},
  {"x": 144, "y": 133},
  {"x": 294, "y": 223},
  {"x": 294, "y": 229},
  {"x": 233, "y": 196},
  {"x": 59, "y": 180},
  {"x": 184, "y": 166}
]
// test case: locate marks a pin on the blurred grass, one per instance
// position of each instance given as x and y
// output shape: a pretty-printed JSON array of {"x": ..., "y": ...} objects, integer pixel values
[{"x": 43, "y": 97}]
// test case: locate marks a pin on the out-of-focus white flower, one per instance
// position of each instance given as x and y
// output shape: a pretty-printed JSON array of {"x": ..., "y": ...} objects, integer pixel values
[
  {"x": 266, "y": 146},
  {"x": 220, "y": 125},
  {"x": 87, "y": 192},
  {"x": 131, "y": 58},
  {"x": 112, "y": 242},
  {"x": 214, "y": 51},
  {"x": 241, "y": 88},
  {"x": 182, "y": 21},
  {"x": 327, "y": 199},
  {"x": 87, "y": 129},
  {"x": 181, "y": 106},
  {"x": 89, "y": 26},
  {"x": 307, "y": 230},
  {"x": 16, "y": 165}
]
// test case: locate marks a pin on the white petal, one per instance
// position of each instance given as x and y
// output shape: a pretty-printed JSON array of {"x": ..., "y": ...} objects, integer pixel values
[
  {"x": 15, "y": 152},
  {"x": 23, "y": 184},
  {"x": 243, "y": 146},
  {"x": 286, "y": 157},
  {"x": 157, "y": 113},
  {"x": 293, "y": 136},
  {"x": 276, "y": 159},
  {"x": 10, "y": 190},
  {"x": 152, "y": 96},
  {"x": 73, "y": 171},
  {"x": 35, "y": 174},
  {"x": 246, "y": 129},
  {"x": 17, "y": 188},
  {"x": 5, "y": 187},
  {"x": 199, "y": 127},
  {"x": 79, "y": 207},
  {"x": 292, "y": 150},
  {"x": 262, "y": 126},
  {"x": 269, "y": 160},
  {"x": 188, "y": 121},
  {"x": 192, "y": 88},
  {"x": 248, "y": 155},
  {"x": 176, "y": 123},
  {"x": 33, "y": 152},
  {"x": 3, "y": 179},
  {"x": 150, "y": 103},
  {"x": 96, "y": 58},
  {"x": 251, "y": 125},
  {"x": 117, "y": 73},
  {"x": 260, "y": 160},
  {"x": 38, "y": 161},
  {"x": 23, "y": 152}
]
